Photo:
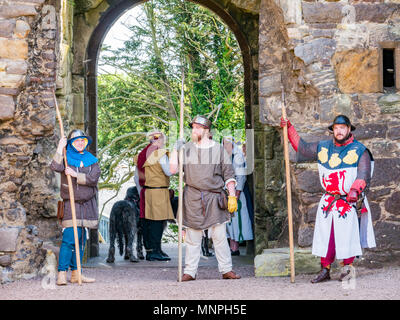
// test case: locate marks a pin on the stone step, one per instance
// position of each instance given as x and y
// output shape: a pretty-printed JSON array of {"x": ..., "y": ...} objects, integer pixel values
[{"x": 276, "y": 262}]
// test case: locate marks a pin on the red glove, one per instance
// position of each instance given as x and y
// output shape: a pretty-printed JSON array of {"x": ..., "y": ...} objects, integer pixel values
[
  {"x": 294, "y": 138},
  {"x": 352, "y": 196},
  {"x": 285, "y": 122},
  {"x": 356, "y": 188}
]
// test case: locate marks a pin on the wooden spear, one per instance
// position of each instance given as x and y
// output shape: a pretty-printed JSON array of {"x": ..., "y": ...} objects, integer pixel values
[
  {"x": 180, "y": 199},
  {"x": 288, "y": 189},
  {"x": 71, "y": 197}
]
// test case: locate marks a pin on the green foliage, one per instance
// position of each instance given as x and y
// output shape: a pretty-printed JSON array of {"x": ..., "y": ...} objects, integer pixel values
[{"x": 167, "y": 36}]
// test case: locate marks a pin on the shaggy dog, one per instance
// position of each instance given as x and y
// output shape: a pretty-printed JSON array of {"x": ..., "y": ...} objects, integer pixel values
[
  {"x": 124, "y": 219},
  {"x": 125, "y": 223}
]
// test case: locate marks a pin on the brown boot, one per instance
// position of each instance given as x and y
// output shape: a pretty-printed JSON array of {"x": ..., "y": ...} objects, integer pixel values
[
  {"x": 74, "y": 278},
  {"x": 322, "y": 276},
  {"x": 230, "y": 275},
  {"x": 61, "y": 278},
  {"x": 187, "y": 277}
]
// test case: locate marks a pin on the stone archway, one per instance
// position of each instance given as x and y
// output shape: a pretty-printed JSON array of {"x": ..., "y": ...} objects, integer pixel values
[
  {"x": 242, "y": 21},
  {"x": 111, "y": 15}
]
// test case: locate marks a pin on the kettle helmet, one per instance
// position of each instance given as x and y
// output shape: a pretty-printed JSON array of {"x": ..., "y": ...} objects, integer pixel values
[{"x": 342, "y": 119}]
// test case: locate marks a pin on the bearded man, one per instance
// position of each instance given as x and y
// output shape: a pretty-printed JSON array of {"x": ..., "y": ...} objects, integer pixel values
[
  {"x": 207, "y": 171},
  {"x": 155, "y": 206},
  {"x": 343, "y": 224}
]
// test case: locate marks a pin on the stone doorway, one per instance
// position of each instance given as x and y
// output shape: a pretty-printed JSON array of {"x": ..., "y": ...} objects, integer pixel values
[{"x": 88, "y": 61}]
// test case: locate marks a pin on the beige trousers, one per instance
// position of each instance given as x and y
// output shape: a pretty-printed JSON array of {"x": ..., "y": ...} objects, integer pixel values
[{"x": 193, "y": 249}]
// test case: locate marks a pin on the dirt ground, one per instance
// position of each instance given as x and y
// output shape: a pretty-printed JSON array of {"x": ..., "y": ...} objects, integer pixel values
[{"x": 147, "y": 280}]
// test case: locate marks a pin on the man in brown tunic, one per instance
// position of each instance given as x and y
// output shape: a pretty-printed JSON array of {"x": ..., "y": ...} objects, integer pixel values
[{"x": 207, "y": 170}]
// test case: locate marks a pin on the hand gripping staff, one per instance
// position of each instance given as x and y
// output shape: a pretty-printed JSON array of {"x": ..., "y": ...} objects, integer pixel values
[
  {"x": 71, "y": 197},
  {"x": 180, "y": 199},
  {"x": 288, "y": 189}
]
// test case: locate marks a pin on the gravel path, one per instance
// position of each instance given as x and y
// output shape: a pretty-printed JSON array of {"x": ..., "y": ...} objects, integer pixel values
[{"x": 157, "y": 281}]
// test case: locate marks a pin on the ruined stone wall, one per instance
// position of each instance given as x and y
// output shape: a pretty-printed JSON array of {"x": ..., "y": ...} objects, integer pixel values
[
  {"x": 28, "y": 48},
  {"x": 331, "y": 63}
]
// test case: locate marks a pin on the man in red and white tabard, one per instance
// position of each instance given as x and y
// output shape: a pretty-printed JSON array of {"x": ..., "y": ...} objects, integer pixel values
[{"x": 343, "y": 224}]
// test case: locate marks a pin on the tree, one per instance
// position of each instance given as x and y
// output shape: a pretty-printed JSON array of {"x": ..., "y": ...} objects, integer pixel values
[{"x": 168, "y": 36}]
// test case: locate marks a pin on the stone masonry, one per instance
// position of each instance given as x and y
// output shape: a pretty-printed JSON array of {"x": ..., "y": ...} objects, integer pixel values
[
  {"x": 28, "y": 190},
  {"x": 327, "y": 55},
  {"x": 330, "y": 64}
]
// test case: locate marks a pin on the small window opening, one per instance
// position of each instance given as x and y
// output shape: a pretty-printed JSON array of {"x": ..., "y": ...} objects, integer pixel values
[{"x": 389, "y": 80}]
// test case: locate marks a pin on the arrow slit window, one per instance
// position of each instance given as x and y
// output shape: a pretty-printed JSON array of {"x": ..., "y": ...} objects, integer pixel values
[{"x": 390, "y": 66}]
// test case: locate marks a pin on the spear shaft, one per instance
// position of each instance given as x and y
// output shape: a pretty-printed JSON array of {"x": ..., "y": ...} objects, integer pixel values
[
  {"x": 180, "y": 200},
  {"x": 288, "y": 190},
  {"x": 71, "y": 196}
]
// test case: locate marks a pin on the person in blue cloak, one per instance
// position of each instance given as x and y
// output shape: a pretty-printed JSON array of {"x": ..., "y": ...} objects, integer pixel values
[{"x": 84, "y": 170}]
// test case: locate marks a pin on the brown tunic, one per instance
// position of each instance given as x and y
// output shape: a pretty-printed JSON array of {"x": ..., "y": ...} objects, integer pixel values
[
  {"x": 157, "y": 201},
  {"x": 205, "y": 170},
  {"x": 85, "y": 189}
]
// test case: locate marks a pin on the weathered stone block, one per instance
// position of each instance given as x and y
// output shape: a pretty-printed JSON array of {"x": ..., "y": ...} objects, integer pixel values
[
  {"x": 351, "y": 36},
  {"x": 270, "y": 110},
  {"x": 7, "y": 107},
  {"x": 392, "y": 204},
  {"x": 387, "y": 235},
  {"x": 252, "y": 6},
  {"x": 370, "y": 131},
  {"x": 291, "y": 10},
  {"x": 386, "y": 171},
  {"x": 11, "y": 140},
  {"x": 22, "y": 29},
  {"x": 375, "y": 12},
  {"x": 17, "y": 10},
  {"x": 318, "y": 50},
  {"x": 13, "y": 49},
  {"x": 322, "y": 12},
  {"x": 322, "y": 77},
  {"x": 357, "y": 71},
  {"x": 276, "y": 262},
  {"x": 15, "y": 66},
  {"x": 389, "y": 103},
  {"x": 312, "y": 212},
  {"x": 270, "y": 84},
  {"x": 309, "y": 181},
  {"x": 5, "y": 260},
  {"x": 394, "y": 133},
  {"x": 7, "y": 28},
  {"x": 11, "y": 80},
  {"x": 305, "y": 236},
  {"x": 8, "y": 239}
]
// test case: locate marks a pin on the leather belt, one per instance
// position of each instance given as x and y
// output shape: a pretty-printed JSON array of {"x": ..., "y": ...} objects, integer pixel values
[
  {"x": 337, "y": 197},
  {"x": 155, "y": 187}
]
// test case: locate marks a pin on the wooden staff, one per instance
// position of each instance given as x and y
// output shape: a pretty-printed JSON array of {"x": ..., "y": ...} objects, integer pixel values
[
  {"x": 288, "y": 190},
  {"x": 71, "y": 197},
  {"x": 180, "y": 200}
]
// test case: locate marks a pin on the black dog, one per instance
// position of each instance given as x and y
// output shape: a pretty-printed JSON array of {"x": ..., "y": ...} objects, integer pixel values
[{"x": 124, "y": 226}]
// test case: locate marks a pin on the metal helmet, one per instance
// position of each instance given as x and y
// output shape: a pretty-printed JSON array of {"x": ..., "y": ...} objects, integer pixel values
[
  {"x": 342, "y": 119},
  {"x": 76, "y": 133},
  {"x": 201, "y": 120},
  {"x": 154, "y": 134}
]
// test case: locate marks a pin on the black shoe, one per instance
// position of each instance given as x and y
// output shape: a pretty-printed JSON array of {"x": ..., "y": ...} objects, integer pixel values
[
  {"x": 208, "y": 254},
  {"x": 235, "y": 253},
  {"x": 156, "y": 256},
  {"x": 164, "y": 254}
]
